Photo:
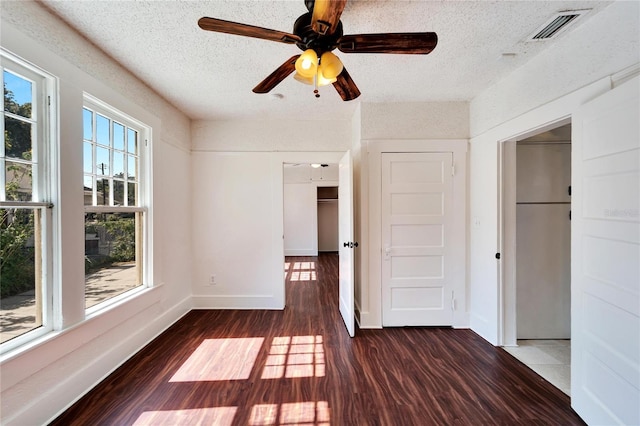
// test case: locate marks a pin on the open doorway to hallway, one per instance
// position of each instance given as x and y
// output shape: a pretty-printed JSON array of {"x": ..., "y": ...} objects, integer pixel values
[
  {"x": 537, "y": 211},
  {"x": 310, "y": 195},
  {"x": 301, "y": 177},
  {"x": 310, "y": 208}
]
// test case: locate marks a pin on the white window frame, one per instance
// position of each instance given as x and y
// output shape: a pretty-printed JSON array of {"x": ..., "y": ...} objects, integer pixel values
[
  {"x": 144, "y": 196},
  {"x": 45, "y": 184}
]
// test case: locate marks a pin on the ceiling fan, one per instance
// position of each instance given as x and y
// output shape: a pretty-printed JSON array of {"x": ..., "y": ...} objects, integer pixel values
[{"x": 317, "y": 33}]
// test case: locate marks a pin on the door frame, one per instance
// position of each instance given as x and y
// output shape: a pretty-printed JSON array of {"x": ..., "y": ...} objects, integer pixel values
[
  {"x": 459, "y": 149},
  {"x": 507, "y": 315}
]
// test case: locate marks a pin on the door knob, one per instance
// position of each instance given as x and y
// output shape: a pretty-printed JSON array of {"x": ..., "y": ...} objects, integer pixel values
[{"x": 387, "y": 252}]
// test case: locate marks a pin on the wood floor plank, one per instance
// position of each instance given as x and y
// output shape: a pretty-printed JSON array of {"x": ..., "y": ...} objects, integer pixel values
[{"x": 308, "y": 371}]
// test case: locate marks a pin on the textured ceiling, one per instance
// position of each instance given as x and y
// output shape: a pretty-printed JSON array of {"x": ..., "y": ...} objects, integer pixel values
[{"x": 210, "y": 75}]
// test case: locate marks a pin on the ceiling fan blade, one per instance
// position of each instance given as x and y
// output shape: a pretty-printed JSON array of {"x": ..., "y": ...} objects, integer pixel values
[
  {"x": 277, "y": 76},
  {"x": 228, "y": 27},
  {"x": 345, "y": 86},
  {"x": 408, "y": 43},
  {"x": 326, "y": 15}
]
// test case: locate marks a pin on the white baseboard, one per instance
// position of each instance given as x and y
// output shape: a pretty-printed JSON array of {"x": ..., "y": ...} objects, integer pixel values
[
  {"x": 236, "y": 302},
  {"x": 367, "y": 322},
  {"x": 300, "y": 252}
]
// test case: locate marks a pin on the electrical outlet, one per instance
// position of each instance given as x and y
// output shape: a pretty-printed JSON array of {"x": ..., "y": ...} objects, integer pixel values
[{"x": 212, "y": 280}]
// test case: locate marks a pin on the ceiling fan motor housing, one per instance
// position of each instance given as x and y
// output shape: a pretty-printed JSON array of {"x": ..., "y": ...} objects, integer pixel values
[{"x": 312, "y": 40}]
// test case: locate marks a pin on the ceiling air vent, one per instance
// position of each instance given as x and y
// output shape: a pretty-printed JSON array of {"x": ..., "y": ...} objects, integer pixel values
[{"x": 557, "y": 24}]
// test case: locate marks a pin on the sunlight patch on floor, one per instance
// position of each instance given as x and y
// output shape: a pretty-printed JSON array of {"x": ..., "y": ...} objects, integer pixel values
[
  {"x": 302, "y": 271},
  {"x": 291, "y": 413},
  {"x": 297, "y": 356},
  {"x": 222, "y": 416},
  {"x": 220, "y": 359}
]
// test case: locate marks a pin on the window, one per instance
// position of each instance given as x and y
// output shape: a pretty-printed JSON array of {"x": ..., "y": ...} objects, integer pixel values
[
  {"x": 27, "y": 191},
  {"x": 116, "y": 206}
]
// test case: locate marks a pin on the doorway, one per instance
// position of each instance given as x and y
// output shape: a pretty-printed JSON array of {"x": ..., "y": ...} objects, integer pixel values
[
  {"x": 302, "y": 183},
  {"x": 310, "y": 208},
  {"x": 538, "y": 332}
]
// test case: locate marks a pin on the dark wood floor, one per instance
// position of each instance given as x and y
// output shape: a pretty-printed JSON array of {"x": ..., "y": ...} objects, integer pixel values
[{"x": 298, "y": 366}]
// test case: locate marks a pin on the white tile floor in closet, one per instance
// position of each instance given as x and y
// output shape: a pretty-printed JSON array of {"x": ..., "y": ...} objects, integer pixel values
[{"x": 551, "y": 359}]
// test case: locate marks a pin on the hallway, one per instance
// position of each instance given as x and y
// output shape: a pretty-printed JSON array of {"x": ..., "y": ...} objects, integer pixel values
[{"x": 298, "y": 366}]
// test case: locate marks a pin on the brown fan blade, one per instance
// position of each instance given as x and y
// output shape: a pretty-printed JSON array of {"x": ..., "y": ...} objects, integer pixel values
[
  {"x": 228, "y": 27},
  {"x": 277, "y": 76},
  {"x": 326, "y": 15},
  {"x": 345, "y": 86},
  {"x": 410, "y": 43}
]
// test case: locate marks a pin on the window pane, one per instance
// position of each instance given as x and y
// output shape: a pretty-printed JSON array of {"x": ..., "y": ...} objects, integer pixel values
[
  {"x": 132, "y": 141},
  {"x": 20, "y": 278},
  {"x": 17, "y": 138},
  {"x": 118, "y": 164},
  {"x": 87, "y": 124},
  {"x": 132, "y": 169},
  {"x": 88, "y": 191},
  {"x": 118, "y": 136},
  {"x": 102, "y": 189},
  {"x": 102, "y": 161},
  {"x": 88, "y": 158},
  {"x": 132, "y": 194},
  {"x": 118, "y": 192},
  {"x": 112, "y": 258},
  {"x": 102, "y": 130},
  {"x": 18, "y": 95},
  {"x": 18, "y": 178}
]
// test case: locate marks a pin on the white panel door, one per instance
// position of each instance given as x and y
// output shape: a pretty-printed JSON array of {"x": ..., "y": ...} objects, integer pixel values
[
  {"x": 417, "y": 193},
  {"x": 346, "y": 243},
  {"x": 605, "y": 268}
]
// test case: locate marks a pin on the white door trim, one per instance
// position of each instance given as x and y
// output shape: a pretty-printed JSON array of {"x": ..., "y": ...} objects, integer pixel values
[
  {"x": 507, "y": 332},
  {"x": 346, "y": 243},
  {"x": 459, "y": 148}
]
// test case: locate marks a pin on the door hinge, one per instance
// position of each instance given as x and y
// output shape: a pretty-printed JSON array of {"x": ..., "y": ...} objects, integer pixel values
[
  {"x": 453, "y": 301},
  {"x": 49, "y": 100},
  {"x": 453, "y": 170}
]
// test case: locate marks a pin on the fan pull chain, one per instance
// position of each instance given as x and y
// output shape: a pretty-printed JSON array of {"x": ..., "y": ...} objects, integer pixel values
[{"x": 316, "y": 92}]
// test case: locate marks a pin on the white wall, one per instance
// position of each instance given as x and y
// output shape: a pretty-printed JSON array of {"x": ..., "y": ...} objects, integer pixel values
[
  {"x": 270, "y": 135},
  {"x": 237, "y": 209},
  {"x": 41, "y": 380},
  {"x": 534, "y": 98},
  {"x": 300, "y": 219},
  {"x": 601, "y": 46},
  {"x": 415, "y": 120},
  {"x": 401, "y": 122}
]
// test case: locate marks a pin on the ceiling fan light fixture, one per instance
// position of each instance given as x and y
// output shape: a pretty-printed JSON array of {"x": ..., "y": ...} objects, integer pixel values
[
  {"x": 331, "y": 65},
  {"x": 307, "y": 63},
  {"x": 322, "y": 79},
  {"x": 303, "y": 79}
]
